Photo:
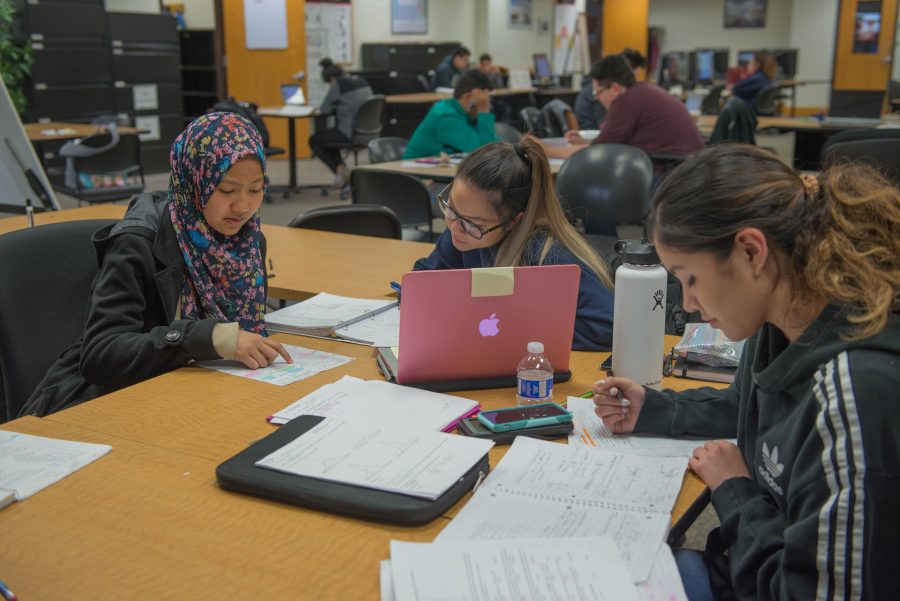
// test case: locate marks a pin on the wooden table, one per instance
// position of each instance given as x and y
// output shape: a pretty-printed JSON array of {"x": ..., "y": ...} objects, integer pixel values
[
  {"x": 429, "y": 97},
  {"x": 60, "y": 130},
  {"x": 149, "y": 517},
  {"x": 305, "y": 262},
  {"x": 438, "y": 172}
]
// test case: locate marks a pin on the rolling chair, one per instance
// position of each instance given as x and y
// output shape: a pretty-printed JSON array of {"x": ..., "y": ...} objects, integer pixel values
[
  {"x": 385, "y": 150},
  {"x": 405, "y": 195},
  {"x": 367, "y": 125},
  {"x": 533, "y": 121},
  {"x": 603, "y": 186},
  {"x": 767, "y": 102},
  {"x": 36, "y": 328},
  {"x": 103, "y": 167},
  {"x": 507, "y": 132},
  {"x": 362, "y": 220},
  {"x": 882, "y": 152},
  {"x": 712, "y": 102}
]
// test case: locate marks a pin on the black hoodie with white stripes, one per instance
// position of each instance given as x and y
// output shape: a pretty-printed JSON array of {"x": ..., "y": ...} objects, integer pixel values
[{"x": 818, "y": 423}]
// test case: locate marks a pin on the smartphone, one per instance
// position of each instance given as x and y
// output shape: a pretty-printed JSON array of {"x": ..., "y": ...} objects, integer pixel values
[
  {"x": 518, "y": 418},
  {"x": 470, "y": 426}
]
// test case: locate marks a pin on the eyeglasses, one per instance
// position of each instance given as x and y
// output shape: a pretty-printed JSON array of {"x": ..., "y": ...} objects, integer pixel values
[
  {"x": 470, "y": 228},
  {"x": 598, "y": 91}
]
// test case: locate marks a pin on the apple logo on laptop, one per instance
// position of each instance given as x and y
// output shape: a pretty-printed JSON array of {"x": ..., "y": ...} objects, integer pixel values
[{"x": 488, "y": 327}]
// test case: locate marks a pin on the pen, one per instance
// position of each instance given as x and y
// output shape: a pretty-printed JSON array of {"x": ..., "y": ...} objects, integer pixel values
[
  {"x": 7, "y": 594},
  {"x": 586, "y": 395},
  {"x": 271, "y": 275}
]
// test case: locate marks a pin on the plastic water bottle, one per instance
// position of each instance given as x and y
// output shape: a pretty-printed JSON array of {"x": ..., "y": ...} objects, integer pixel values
[
  {"x": 639, "y": 314},
  {"x": 535, "y": 377}
]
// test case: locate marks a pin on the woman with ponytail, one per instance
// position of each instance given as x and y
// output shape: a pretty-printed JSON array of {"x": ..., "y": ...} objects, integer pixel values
[
  {"x": 182, "y": 276},
  {"x": 502, "y": 210},
  {"x": 808, "y": 270}
]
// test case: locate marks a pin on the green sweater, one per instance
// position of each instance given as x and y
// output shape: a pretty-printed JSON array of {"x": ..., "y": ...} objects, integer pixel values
[{"x": 448, "y": 128}]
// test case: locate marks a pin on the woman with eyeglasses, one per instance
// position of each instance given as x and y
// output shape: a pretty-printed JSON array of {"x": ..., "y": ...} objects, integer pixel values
[{"x": 502, "y": 210}]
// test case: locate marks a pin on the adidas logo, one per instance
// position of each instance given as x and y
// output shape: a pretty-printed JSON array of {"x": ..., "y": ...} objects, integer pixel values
[
  {"x": 773, "y": 468},
  {"x": 771, "y": 461}
]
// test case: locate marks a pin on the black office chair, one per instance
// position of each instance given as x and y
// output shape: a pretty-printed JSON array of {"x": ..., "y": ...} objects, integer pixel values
[
  {"x": 387, "y": 149},
  {"x": 103, "y": 167},
  {"x": 767, "y": 102},
  {"x": 362, "y": 220},
  {"x": 554, "y": 117},
  {"x": 881, "y": 153},
  {"x": 712, "y": 102},
  {"x": 533, "y": 121},
  {"x": 367, "y": 125},
  {"x": 736, "y": 124},
  {"x": 507, "y": 132},
  {"x": 605, "y": 185},
  {"x": 35, "y": 328},
  {"x": 404, "y": 194}
]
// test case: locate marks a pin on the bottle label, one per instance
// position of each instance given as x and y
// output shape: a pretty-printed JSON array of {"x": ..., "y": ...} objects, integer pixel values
[{"x": 535, "y": 389}]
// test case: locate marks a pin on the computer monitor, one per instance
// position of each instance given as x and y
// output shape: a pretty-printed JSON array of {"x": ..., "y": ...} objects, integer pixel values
[
  {"x": 707, "y": 64},
  {"x": 787, "y": 61},
  {"x": 745, "y": 56},
  {"x": 674, "y": 68},
  {"x": 542, "y": 68}
]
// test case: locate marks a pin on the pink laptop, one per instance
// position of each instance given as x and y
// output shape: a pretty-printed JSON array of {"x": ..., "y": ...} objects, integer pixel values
[{"x": 469, "y": 328}]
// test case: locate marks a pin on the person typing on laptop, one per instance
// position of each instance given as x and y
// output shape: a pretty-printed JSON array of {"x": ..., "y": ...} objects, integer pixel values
[
  {"x": 502, "y": 210},
  {"x": 345, "y": 96}
]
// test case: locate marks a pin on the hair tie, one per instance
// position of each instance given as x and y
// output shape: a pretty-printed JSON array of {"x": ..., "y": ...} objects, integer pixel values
[
  {"x": 522, "y": 154},
  {"x": 811, "y": 187}
]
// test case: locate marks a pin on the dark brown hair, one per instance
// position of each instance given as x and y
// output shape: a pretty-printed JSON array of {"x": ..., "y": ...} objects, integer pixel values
[{"x": 836, "y": 237}]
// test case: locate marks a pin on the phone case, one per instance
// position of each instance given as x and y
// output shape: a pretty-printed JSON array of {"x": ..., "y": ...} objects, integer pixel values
[
  {"x": 542, "y": 432},
  {"x": 523, "y": 424}
]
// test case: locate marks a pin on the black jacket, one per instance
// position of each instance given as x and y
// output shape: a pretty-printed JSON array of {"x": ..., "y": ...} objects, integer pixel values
[
  {"x": 131, "y": 333},
  {"x": 818, "y": 424}
]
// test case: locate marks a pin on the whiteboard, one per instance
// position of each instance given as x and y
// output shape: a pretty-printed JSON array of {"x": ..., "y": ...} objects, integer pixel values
[
  {"x": 265, "y": 24},
  {"x": 329, "y": 33},
  {"x": 16, "y": 158}
]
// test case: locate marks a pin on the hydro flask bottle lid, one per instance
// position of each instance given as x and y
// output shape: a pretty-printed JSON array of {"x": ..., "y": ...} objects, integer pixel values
[{"x": 634, "y": 252}]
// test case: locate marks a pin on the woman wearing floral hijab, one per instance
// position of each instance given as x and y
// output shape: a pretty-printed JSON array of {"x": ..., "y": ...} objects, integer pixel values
[{"x": 182, "y": 276}]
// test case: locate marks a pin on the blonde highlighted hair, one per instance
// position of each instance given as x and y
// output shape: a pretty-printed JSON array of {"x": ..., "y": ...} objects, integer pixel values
[
  {"x": 516, "y": 179},
  {"x": 836, "y": 237}
]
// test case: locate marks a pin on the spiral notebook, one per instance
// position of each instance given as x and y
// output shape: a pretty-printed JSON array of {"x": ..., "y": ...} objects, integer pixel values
[{"x": 544, "y": 489}]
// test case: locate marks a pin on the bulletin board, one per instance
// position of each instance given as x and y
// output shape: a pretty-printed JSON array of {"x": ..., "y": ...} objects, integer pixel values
[{"x": 329, "y": 32}]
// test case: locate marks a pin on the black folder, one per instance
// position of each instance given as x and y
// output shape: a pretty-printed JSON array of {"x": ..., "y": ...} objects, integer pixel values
[{"x": 240, "y": 474}]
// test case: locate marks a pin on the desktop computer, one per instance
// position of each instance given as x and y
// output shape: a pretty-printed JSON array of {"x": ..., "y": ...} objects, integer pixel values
[
  {"x": 542, "y": 71},
  {"x": 708, "y": 64},
  {"x": 745, "y": 56},
  {"x": 787, "y": 61}
]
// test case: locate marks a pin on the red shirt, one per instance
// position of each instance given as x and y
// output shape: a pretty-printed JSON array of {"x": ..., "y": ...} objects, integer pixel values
[{"x": 648, "y": 117}]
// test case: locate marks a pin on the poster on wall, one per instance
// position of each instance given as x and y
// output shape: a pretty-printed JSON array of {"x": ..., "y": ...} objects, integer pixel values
[
  {"x": 519, "y": 14},
  {"x": 867, "y": 28},
  {"x": 328, "y": 34},
  {"x": 265, "y": 23},
  {"x": 745, "y": 13},
  {"x": 565, "y": 18},
  {"x": 409, "y": 16}
]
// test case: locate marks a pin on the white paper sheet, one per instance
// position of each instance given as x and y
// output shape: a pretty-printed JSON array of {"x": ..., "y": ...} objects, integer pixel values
[
  {"x": 589, "y": 431},
  {"x": 378, "y": 401},
  {"x": 544, "y": 489},
  {"x": 31, "y": 463},
  {"x": 381, "y": 329},
  {"x": 323, "y": 311},
  {"x": 664, "y": 582},
  {"x": 571, "y": 569},
  {"x": 307, "y": 363},
  {"x": 379, "y": 456},
  {"x": 386, "y": 581}
]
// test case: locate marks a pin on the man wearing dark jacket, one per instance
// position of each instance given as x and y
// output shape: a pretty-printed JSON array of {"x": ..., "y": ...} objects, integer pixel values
[{"x": 451, "y": 68}]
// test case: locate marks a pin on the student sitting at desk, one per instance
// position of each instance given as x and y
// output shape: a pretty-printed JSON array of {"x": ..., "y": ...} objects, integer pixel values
[
  {"x": 639, "y": 114},
  {"x": 807, "y": 268},
  {"x": 588, "y": 110},
  {"x": 345, "y": 96},
  {"x": 451, "y": 68},
  {"x": 502, "y": 210},
  {"x": 459, "y": 124},
  {"x": 761, "y": 71},
  {"x": 486, "y": 65},
  {"x": 182, "y": 276}
]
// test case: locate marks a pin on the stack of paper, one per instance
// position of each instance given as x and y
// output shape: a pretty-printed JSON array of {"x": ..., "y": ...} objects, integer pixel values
[
  {"x": 307, "y": 363},
  {"x": 374, "y": 400},
  {"x": 379, "y": 456},
  {"x": 587, "y": 569},
  {"x": 31, "y": 463},
  {"x": 546, "y": 490},
  {"x": 359, "y": 320}
]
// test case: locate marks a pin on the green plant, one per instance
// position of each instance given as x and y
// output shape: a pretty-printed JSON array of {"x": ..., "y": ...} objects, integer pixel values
[{"x": 15, "y": 57}]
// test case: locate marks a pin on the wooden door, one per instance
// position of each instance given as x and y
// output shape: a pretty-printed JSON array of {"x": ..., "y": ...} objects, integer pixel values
[
  {"x": 862, "y": 60},
  {"x": 255, "y": 75}
]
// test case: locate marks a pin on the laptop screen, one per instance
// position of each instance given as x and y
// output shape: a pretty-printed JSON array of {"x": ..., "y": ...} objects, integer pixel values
[
  {"x": 856, "y": 104},
  {"x": 293, "y": 94},
  {"x": 694, "y": 103},
  {"x": 542, "y": 67}
]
